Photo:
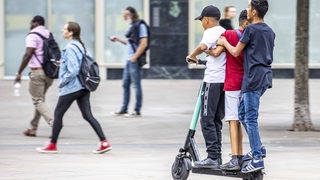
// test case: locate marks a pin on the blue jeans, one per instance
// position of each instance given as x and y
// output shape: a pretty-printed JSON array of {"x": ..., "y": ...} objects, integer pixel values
[
  {"x": 248, "y": 116},
  {"x": 131, "y": 74}
]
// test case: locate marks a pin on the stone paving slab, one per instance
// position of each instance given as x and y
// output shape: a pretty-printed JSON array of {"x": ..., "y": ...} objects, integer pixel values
[{"x": 144, "y": 148}]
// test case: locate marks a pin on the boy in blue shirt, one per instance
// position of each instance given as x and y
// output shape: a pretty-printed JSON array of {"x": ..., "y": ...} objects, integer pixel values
[{"x": 257, "y": 43}]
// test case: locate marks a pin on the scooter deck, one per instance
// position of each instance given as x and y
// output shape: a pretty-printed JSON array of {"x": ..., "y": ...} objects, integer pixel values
[{"x": 219, "y": 172}]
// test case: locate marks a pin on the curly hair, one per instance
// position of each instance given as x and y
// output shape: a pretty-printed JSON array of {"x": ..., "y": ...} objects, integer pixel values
[
  {"x": 38, "y": 19},
  {"x": 242, "y": 17},
  {"x": 261, "y": 6}
]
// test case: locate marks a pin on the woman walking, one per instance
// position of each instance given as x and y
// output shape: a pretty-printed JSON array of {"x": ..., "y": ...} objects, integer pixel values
[{"x": 70, "y": 90}]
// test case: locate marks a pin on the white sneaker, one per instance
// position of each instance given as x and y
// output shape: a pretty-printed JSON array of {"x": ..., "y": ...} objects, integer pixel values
[{"x": 134, "y": 114}]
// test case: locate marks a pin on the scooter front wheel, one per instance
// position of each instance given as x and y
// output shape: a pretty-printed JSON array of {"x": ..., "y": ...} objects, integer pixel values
[{"x": 181, "y": 167}]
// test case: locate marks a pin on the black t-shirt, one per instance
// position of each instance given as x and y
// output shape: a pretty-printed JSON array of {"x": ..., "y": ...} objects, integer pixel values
[
  {"x": 258, "y": 56},
  {"x": 226, "y": 23}
]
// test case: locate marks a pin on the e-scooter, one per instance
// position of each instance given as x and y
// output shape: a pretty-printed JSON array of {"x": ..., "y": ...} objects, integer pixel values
[{"x": 182, "y": 164}]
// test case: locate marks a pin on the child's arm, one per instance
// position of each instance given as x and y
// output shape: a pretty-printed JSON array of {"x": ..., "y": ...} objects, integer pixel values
[
  {"x": 216, "y": 51},
  {"x": 234, "y": 51},
  {"x": 196, "y": 52}
]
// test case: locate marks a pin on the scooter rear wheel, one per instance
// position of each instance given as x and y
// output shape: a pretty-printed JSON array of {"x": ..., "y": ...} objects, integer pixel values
[
  {"x": 180, "y": 169},
  {"x": 258, "y": 175}
]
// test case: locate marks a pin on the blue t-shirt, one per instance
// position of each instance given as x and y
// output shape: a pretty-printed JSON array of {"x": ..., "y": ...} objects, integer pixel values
[
  {"x": 258, "y": 56},
  {"x": 143, "y": 32}
]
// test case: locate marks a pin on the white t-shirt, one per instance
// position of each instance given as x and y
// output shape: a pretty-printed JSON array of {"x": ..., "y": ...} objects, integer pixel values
[{"x": 215, "y": 71}]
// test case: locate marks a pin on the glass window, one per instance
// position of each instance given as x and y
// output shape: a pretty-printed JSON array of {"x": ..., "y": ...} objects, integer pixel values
[
  {"x": 116, "y": 53},
  {"x": 82, "y": 12},
  {"x": 283, "y": 22},
  {"x": 314, "y": 19},
  {"x": 17, "y": 26}
]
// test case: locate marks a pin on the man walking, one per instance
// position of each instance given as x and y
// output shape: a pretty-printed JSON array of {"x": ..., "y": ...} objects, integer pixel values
[{"x": 39, "y": 82}]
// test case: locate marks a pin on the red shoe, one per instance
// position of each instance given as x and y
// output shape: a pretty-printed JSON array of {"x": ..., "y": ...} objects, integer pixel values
[
  {"x": 51, "y": 148},
  {"x": 105, "y": 146}
]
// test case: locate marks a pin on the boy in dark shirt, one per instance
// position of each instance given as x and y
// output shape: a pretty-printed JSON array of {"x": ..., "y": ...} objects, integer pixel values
[{"x": 257, "y": 43}]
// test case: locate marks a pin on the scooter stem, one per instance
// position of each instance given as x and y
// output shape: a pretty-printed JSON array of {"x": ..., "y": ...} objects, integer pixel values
[{"x": 196, "y": 111}]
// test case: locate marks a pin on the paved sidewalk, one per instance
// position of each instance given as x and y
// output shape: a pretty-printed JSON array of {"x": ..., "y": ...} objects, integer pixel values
[{"x": 144, "y": 148}]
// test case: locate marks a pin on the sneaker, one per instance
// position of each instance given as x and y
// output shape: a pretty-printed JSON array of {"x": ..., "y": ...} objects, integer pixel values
[
  {"x": 120, "y": 113},
  {"x": 232, "y": 165},
  {"x": 51, "y": 148},
  {"x": 248, "y": 156},
  {"x": 105, "y": 146},
  {"x": 30, "y": 132},
  {"x": 253, "y": 165},
  {"x": 208, "y": 163},
  {"x": 134, "y": 114}
]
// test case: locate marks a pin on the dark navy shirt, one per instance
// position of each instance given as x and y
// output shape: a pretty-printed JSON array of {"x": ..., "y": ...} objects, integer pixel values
[{"x": 258, "y": 56}]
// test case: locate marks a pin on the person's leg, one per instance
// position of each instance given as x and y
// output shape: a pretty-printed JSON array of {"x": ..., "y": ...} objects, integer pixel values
[
  {"x": 233, "y": 101},
  {"x": 236, "y": 147},
  {"x": 210, "y": 98},
  {"x": 232, "y": 116},
  {"x": 83, "y": 102},
  {"x": 35, "y": 120},
  {"x": 63, "y": 104},
  {"x": 38, "y": 86},
  {"x": 126, "y": 81},
  {"x": 252, "y": 102},
  {"x": 239, "y": 150},
  {"x": 136, "y": 75},
  {"x": 220, "y": 113},
  {"x": 241, "y": 111},
  {"x": 235, "y": 137}
]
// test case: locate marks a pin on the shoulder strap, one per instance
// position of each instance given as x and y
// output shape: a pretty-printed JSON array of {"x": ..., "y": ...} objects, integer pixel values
[
  {"x": 80, "y": 49},
  {"x": 40, "y": 35},
  {"x": 134, "y": 49},
  {"x": 238, "y": 33},
  {"x": 43, "y": 38},
  {"x": 77, "y": 48},
  {"x": 136, "y": 26}
]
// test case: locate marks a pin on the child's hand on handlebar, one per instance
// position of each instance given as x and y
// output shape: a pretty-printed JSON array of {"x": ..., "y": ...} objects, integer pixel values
[{"x": 191, "y": 60}]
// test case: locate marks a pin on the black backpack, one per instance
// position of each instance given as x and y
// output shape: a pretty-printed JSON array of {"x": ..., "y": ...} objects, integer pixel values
[
  {"x": 51, "y": 54},
  {"x": 133, "y": 36},
  {"x": 89, "y": 72}
]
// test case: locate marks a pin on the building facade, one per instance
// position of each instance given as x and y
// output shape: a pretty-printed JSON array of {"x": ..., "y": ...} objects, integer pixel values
[{"x": 174, "y": 33}]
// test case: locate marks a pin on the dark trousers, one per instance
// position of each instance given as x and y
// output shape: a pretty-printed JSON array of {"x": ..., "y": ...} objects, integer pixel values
[
  {"x": 212, "y": 113},
  {"x": 82, "y": 97}
]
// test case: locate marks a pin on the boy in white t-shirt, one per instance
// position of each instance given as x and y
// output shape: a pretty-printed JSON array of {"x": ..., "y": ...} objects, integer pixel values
[{"x": 212, "y": 95}]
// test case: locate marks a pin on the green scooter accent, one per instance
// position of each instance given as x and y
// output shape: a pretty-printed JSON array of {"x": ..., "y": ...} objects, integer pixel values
[{"x": 196, "y": 111}]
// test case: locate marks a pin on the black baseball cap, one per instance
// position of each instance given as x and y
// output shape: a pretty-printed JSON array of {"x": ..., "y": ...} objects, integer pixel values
[{"x": 209, "y": 11}]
